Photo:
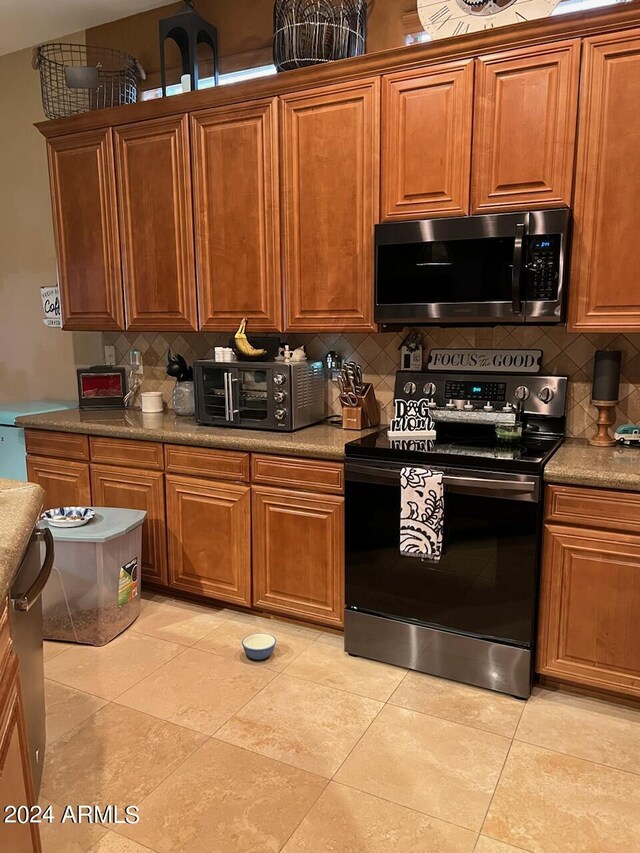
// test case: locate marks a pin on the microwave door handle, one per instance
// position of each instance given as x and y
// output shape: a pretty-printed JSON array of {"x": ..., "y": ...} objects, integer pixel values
[{"x": 516, "y": 294}]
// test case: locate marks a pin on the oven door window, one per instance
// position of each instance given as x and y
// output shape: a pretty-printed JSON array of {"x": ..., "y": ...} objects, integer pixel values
[
  {"x": 253, "y": 393},
  {"x": 450, "y": 271},
  {"x": 213, "y": 392},
  {"x": 485, "y": 583}
]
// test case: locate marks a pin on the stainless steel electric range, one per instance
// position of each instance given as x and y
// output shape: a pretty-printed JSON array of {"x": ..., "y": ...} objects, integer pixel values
[{"x": 471, "y": 617}]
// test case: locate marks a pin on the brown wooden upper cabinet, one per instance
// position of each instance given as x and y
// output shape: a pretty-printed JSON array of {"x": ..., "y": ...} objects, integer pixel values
[
  {"x": 330, "y": 200},
  {"x": 237, "y": 215},
  {"x": 426, "y": 141},
  {"x": 604, "y": 294},
  {"x": 85, "y": 225},
  {"x": 524, "y": 127},
  {"x": 156, "y": 224}
]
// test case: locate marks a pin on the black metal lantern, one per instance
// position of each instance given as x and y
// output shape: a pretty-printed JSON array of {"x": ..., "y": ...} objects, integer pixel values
[
  {"x": 187, "y": 29},
  {"x": 309, "y": 32}
]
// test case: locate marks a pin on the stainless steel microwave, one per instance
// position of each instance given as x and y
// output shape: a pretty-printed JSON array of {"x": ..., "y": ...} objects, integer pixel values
[
  {"x": 271, "y": 395},
  {"x": 505, "y": 268}
]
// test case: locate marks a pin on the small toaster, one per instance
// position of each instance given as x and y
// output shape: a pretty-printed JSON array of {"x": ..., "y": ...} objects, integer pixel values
[{"x": 102, "y": 387}]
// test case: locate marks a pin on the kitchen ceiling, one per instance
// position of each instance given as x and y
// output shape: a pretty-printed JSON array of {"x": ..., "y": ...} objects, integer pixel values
[{"x": 30, "y": 22}]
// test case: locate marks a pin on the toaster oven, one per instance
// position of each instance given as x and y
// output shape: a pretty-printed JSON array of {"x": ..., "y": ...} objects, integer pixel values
[{"x": 270, "y": 395}]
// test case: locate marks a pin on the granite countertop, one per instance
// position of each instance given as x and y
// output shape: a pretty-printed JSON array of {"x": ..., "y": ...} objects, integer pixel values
[
  {"x": 321, "y": 441},
  {"x": 20, "y": 507},
  {"x": 578, "y": 464}
]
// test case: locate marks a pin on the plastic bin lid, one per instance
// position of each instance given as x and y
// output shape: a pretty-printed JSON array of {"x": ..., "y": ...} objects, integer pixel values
[{"x": 108, "y": 524}]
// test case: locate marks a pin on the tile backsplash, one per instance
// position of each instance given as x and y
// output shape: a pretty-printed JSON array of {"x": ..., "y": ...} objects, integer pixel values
[{"x": 563, "y": 354}]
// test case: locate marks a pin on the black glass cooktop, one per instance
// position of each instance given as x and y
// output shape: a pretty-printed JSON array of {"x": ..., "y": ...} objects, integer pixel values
[{"x": 465, "y": 446}]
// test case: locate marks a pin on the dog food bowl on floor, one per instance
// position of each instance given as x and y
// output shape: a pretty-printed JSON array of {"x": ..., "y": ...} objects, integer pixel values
[{"x": 259, "y": 646}]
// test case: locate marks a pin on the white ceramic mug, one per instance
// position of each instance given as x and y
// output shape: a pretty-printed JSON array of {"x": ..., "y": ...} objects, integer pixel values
[{"x": 151, "y": 401}]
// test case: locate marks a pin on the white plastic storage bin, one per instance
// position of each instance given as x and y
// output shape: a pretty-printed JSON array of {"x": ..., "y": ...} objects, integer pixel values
[{"x": 93, "y": 593}]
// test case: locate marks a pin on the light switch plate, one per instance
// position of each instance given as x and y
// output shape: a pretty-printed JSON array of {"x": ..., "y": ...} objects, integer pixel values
[{"x": 110, "y": 356}]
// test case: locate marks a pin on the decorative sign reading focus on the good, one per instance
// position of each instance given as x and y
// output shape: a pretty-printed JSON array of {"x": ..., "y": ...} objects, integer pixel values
[
  {"x": 51, "y": 307},
  {"x": 485, "y": 360},
  {"x": 412, "y": 419}
]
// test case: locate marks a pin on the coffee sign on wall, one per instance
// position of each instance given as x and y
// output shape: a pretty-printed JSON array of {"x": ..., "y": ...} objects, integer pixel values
[
  {"x": 485, "y": 360},
  {"x": 51, "y": 307}
]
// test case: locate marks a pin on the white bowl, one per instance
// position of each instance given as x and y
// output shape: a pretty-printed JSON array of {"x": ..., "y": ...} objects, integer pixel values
[
  {"x": 259, "y": 646},
  {"x": 68, "y": 516}
]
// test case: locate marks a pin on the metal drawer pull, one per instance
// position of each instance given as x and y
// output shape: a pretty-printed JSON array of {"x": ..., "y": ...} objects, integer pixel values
[{"x": 26, "y": 601}]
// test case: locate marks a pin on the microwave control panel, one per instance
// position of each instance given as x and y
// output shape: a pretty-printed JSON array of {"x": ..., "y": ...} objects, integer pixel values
[{"x": 543, "y": 266}]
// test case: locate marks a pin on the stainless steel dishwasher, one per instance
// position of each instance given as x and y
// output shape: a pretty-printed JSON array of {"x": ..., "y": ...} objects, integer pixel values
[{"x": 25, "y": 621}]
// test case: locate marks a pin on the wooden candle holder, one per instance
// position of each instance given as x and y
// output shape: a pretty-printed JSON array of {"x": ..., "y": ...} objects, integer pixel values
[{"x": 606, "y": 419}]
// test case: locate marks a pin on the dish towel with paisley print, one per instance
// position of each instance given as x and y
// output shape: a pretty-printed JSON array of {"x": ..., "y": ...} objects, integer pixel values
[{"x": 421, "y": 513}]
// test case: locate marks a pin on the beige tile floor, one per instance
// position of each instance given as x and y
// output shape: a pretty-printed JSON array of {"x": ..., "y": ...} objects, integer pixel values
[{"x": 318, "y": 752}]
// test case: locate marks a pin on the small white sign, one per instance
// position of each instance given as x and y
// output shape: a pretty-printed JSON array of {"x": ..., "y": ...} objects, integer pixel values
[
  {"x": 485, "y": 360},
  {"x": 51, "y": 307},
  {"x": 412, "y": 419}
]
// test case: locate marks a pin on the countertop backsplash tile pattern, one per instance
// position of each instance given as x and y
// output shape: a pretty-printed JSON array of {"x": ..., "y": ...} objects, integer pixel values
[{"x": 564, "y": 353}]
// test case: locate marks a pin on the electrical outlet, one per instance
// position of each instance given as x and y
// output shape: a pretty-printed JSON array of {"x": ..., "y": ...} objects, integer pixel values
[
  {"x": 135, "y": 360},
  {"x": 110, "y": 356}
]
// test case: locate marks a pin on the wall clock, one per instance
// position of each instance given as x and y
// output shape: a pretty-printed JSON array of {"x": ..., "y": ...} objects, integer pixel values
[{"x": 446, "y": 18}]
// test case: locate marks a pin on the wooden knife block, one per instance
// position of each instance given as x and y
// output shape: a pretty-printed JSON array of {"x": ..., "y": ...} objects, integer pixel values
[{"x": 365, "y": 414}]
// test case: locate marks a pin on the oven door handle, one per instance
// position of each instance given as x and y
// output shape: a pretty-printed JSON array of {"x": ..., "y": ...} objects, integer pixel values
[
  {"x": 26, "y": 600},
  {"x": 228, "y": 397},
  {"x": 516, "y": 294},
  {"x": 370, "y": 473}
]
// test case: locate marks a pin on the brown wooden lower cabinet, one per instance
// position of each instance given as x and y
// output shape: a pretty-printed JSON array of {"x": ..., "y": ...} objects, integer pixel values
[
  {"x": 298, "y": 554},
  {"x": 65, "y": 483},
  {"x": 16, "y": 787},
  {"x": 132, "y": 489},
  {"x": 589, "y": 633},
  {"x": 209, "y": 530}
]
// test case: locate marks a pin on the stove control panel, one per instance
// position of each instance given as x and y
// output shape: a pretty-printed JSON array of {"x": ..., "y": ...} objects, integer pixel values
[
  {"x": 474, "y": 390},
  {"x": 485, "y": 392}
]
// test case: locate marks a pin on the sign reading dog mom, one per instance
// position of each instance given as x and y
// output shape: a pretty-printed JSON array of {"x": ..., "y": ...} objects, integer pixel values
[{"x": 485, "y": 360}]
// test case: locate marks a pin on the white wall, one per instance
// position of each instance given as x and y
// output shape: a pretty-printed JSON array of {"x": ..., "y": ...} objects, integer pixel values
[{"x": 35, "y": 362}]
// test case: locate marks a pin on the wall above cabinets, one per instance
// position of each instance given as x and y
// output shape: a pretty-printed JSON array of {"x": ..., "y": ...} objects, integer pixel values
[{"x": 260, "y": 200}]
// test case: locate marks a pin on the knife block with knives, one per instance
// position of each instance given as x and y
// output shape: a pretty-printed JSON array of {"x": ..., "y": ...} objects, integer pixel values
[{"x": 359, "y": 405}]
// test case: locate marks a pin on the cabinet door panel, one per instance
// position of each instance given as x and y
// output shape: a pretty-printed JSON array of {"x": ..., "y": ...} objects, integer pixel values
[
  {"x": 156, "y": 223},
  {"x": 589, "y": 605},
  {"x": 130, "y": 489},
  {"x": 524, "y": 127},
  {"x": 85, "y": 225},
  {"x": 235, "y": 168},
  {"x": 604, "y": 293},
  {"x": 330, "y": 164},
  {"x": 298, "y": 554},
  {"x": 65, "y": 483},
  {"x": 209, "y": 527},
  {"x": 426, "y": 142},
  {"x": 16, "y": 787}
]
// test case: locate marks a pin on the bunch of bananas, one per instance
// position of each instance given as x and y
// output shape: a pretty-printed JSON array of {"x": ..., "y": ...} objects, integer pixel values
[{"x": 242, "y": 344}]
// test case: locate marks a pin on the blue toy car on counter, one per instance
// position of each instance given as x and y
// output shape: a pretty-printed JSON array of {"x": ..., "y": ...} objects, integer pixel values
[{"x": 628, "y": 434}]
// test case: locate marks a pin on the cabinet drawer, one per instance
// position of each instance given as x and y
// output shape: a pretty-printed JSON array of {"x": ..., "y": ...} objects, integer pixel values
[
  {"x": 133, "y": 454},
  {"x": 594, "y": 508},
  {"x": 204, "y": 462},
  {"x": 312, "y": 475},
  {"x": 62, "y": 445}
]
